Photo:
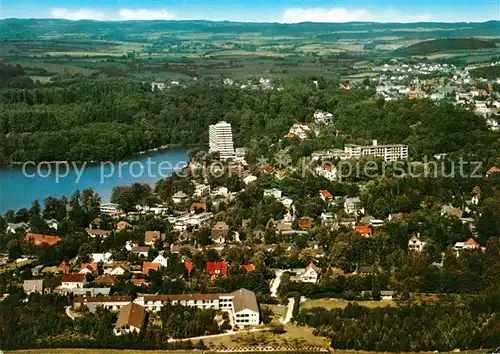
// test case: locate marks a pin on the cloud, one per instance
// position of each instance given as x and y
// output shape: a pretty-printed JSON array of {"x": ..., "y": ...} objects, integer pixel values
[
  {"x": 339, "y": 14},
  {"x": 143, "y": 14},
  {"x": 79, "y": 14}
]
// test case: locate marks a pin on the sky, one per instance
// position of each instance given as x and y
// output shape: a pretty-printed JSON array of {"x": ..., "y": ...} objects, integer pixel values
[{"x": 285, "y": 11}]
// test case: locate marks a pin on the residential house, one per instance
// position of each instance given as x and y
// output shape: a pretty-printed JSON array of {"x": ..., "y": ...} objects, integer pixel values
[
  {"x": 305, "y": 223},
  {"x": 311, "y": 274},
  {"x": 42, "y": 240},
  {"x": 98, "y": 232},
  {"x": 106, "y": 257},
  {"x": 493, "y": 170},
  {"x": 248, "y": 267},
  {"x": 470, "y": 244},
  {"x": 110, "y": 209},
  {"x": 386, "y": 295},
  {"x": 123, "y": 225},
  {"x": 20, "y": 226},
  {"x": 52, "y": 224},
  {"x": 219, "y": 192},
  {"x": 451, "y": 211},
  {"x": 364, "y": 230},
  {"x": 215, "y": 269},
  {"x": 150, "y": 266},
  {"x": 161, "y": 260},
  {"x": 249, "y": 179},
  {"x": 352, "y": 206},
  {"x": 275, "y": 193},
  {"x": 201, "y": 190},
  {"x": 63, "y": 268},
  {"x": 327, "y": 171},
  {"x": 322, "y": 117},
  {"x": 364, "y": 270},
  {"x": 151, "y": 237},
  {"x": 88, "y": 268},
  {"x": 198, "y": 207},
  {"x": 325, "y": 195},
  {"x": 33, "y": 286},
  {"x": 157, "y": 86},
  {"x": 415, "y": 244},
  {"x": 141, "y": 251},
  {"x": 220, "y": 232},
  {"x": 106, "y": 279},
  {"x": 179, "y": 197},
  {"x": 299, "y": 130},
  {"x": 131, "y": 319},
  {"x": 72, "y": 280},
  {"x": 117, "y": 270}
]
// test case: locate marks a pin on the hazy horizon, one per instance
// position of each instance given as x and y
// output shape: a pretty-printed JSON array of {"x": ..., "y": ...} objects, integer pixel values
[{"x": 260, "y": 11}]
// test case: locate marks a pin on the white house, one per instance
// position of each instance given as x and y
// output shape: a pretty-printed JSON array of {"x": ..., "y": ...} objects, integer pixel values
[
  {"x": 201, "y": 190},
  {"x": 299, "y": 130},
  {"x": 274, "y": 192},
  {"x": 179, "y": 197},
  {"x": 101, "y": 257},
  {"x": 311, "y": 274},
  {"x": 321, "y": 117},
  {"x": 415, "y": 244},
  {"x": 327, "y": 171},
  {"x": 249, "y": 179},
  {"x": 353, "y": 206},
  {"x": 162, "y": 260},
  {"x": 220, "y": 192},
  {"x": 71, "y": 281},
  {"x": 118, "y": 270}
]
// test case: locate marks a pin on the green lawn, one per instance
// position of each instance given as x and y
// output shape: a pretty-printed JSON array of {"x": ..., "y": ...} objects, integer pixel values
[{"x": 340, "y": 303}]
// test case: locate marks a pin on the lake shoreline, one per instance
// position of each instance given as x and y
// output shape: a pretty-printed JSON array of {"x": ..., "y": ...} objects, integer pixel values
[{"x": 159, "y": 149}]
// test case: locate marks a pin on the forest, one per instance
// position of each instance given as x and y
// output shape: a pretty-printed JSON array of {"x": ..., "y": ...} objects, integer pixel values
[
  {"x": 108, "y": 118},
  {"x": 441, "y": 326},
  {"x": 439, "y": 45}
]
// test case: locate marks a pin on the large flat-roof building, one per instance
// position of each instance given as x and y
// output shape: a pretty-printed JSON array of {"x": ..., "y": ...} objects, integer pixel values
[
  {"x": 240, "y": 304},
  {"x": 389, "y": 152},
  {"x": 221, "y": 140}
]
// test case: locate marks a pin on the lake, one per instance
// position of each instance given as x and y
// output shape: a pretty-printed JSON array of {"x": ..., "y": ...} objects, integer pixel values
[{"x": 21, "y": 185}]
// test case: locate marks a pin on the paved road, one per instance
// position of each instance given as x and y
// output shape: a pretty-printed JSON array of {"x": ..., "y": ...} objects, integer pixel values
[
  {"x": 229, "y": 333},
  {"x": 289, "y": 311},
  {"x": 276, "y": 282},
  {"x": 69, "y": 313}
]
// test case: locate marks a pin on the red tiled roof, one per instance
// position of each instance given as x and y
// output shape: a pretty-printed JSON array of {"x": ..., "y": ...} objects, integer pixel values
[
  {"x": 364, "y": 230},
  {"x": 40, "y": 239},
  {"x": 73, "y": 278},
  {"x": 199, "y": 206},
  {"x": 268, "y": 168},
  {"x": 493, "y": 170},
  {"x": 305, "y": 223},
  {"x": 90, "y": 266},
  {"x": 248, "y": 267},
  {"x": 326, "y": 194},
  {"x": 216, "y": 268},
  {"x": 471, "y": 243},
  {"x": 313, "y": 266},
  {"x": 188, "y": 265},
  {"x": 149, "y": 266},
  {"x": 328, "y": 167}
]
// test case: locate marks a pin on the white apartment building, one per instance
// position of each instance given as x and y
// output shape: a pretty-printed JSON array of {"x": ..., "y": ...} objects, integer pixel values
[
  {"x": 241, "y": 305},
  {"x": 389, "y": 152},
  {"x": 221, "y": 140}
]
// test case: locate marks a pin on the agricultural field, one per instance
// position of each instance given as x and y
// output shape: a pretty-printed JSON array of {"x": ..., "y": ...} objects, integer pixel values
[{"x": 183, "y": 49}]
